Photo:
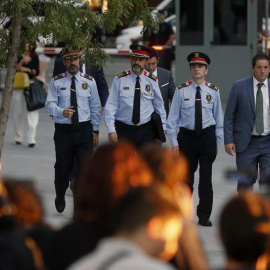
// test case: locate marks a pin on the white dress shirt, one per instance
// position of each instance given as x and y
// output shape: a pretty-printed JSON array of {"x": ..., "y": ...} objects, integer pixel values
[{"x": 266, "y": 109}]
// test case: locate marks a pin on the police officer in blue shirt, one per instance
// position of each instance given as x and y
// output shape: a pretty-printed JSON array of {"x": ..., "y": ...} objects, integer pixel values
[
  {"x": 74, "y": 104},
  {"x": 196, "y": 110},
  {"x": 134, "y": 96}
]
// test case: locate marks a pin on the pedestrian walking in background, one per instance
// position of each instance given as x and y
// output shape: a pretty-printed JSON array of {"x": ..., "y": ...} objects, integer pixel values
[
  {"x": 134, "y": 96},
  {"x": 247, "y": 123},
  {"x": 164, "y": 77},
  {"x": 196, "y": 110},
  {"x": 28, "y": 63},
  {"x": 74, "y": 103}
]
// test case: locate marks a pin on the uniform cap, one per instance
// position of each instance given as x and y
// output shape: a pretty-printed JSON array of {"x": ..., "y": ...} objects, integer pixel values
[
  {"x": 198, "y": 58},
  {"x": 69, "y": 53},
  {"x": 139, "y": 51}
]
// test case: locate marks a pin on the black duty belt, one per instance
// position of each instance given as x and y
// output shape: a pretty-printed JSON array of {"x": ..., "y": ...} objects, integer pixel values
[
  {"x": 192, "y": 132},
  {"x": 73, "y": 127},
  {"x": 123, "y": 125}
]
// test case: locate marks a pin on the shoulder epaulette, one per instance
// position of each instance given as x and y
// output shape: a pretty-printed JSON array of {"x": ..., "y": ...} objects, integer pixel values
[
  {"x": 59, "y": 76},
  {"x": 212, "y": 86},
  {"x": 87, "y": 76},
  {"x": 185, "y": 84},
  {"x": 122, "y": 74},
  {"x": 152, "y": 76}
]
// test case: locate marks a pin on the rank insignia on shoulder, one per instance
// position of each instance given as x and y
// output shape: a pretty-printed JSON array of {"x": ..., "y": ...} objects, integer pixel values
[
  {"x": 185, "y": 84},
  {"x": 147, "y": 87},
  {"x": 84, "y": 86},
  {"x": 212, "y": 86},
  {"x": 87, "y": 76},
  {"x": 59, "y": 76},
  {"x": 152, "y": 76},
  {"x": 122, "y": 74}
]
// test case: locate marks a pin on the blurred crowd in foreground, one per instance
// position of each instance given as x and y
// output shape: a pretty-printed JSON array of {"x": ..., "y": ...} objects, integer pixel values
[{"x": 130, "y": 212}]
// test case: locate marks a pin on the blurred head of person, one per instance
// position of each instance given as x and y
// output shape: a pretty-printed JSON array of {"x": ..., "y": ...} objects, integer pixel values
[
  {"x": 150, "y": 218},
  {"x": 7, "y": 210},
  {"x": 172, "y": 171},
  {"x": 28, "y": 203},
  {"x": 107, "y": 175},
  {"x": 244, "y": 226}
]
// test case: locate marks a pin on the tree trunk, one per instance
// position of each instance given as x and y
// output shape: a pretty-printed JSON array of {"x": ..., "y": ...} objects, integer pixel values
[{"x": 11, "y": 69}]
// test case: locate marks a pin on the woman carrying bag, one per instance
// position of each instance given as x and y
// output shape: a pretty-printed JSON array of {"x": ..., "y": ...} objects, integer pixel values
[{"x": 28, "y": 63}]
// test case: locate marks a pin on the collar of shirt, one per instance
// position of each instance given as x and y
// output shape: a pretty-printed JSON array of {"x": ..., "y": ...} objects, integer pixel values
[
  {"x": 155, "y": 72},
  {"x": 134, "y": 76},
  {"x": 69, "y": 76},
  {"x": 194, "y": 85},
  {"x": 255, "y": 83}
]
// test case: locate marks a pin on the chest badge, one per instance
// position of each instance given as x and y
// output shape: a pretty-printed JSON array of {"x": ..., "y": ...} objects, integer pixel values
[
  {"x": 147, "y": 87},
  {"x": 208, "y": 99},
  {"x": 126, "y": 88},
  {"x": 84, "y": 86}
]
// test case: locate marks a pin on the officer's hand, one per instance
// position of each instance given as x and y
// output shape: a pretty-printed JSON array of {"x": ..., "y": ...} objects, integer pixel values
[
  {"x": 113, "y": 137},
  {"x": 175, "y": 150},
  {"x": 95, "y": 140},
  {"x": 230, "y": 148},
  {"x": 68, "y": 112}
]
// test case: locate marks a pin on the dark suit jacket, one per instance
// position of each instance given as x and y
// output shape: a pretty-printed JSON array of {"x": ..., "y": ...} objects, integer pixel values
[
  {"x": 167, "y": 86},
  {"x": 97, "y": 74},
  {"x": 240, "y": 114}
]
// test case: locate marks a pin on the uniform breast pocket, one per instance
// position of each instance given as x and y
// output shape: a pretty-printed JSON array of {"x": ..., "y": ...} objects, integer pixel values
[
  {"x": 63, "y": 98},
  {"x": 208, "y": 108},
  {"x": 83, "y": 98},
  {"x": 126, "y": 93},
  {"x": 187, "y": 109}
]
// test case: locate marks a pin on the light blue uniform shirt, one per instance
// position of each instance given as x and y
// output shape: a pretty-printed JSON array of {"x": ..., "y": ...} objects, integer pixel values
[
  {"x": 119, "y": 105},
  {"x": 88, "y": 101},
  {"x": 182, "y": 111}
]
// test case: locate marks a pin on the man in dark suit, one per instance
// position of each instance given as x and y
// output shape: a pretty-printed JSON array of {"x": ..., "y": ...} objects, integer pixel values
[
  {"x": 95, "y": 72},
  {"x": 247, "y": 123},
  {"x": 165, "y": 79}
]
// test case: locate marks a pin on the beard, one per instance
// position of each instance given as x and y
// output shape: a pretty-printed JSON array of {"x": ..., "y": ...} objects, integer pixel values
[
  {"x": 73, "y": 69},
  {"x": 136, "y": 68}
]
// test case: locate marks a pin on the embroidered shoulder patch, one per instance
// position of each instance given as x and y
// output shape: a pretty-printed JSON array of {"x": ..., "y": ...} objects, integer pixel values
[
  {"x": 87, "y": 76},
  {"x": 185, "y": 84},
  {"x": 212, "y": 86},
  {"x": 122, "y": 74},
  {"x": 152, "y": 76},
  {"x": 57, "y": 77}
]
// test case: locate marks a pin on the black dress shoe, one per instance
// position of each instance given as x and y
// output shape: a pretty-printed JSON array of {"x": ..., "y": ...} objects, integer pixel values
[
  {"x": 60, "y": 204},
  {"x": 17, "y": 142},
  {"x": 205, "y": 222},
  {"x": 31, "y": 145}
]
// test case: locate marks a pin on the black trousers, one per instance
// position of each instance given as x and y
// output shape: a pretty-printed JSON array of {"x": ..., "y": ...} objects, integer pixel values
[
  {"x": 200, "y": 150},
  {"x": 138, "y": 135},
  {"x": 70, "y": 142}
]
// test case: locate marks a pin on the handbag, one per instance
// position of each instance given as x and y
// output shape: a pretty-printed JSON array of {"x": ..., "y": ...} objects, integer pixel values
[
  {"x": 21, "y": 80},
  {"x": 35, "y": 96},
  {"x": 157, "y": 124}
]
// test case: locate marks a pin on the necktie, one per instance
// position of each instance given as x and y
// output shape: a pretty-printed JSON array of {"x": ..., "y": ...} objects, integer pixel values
[
  {"x": 259, "y": 110},
  {"x": 73, "y": 101},
  {"x": 198, "y": 111},
  {"x": 136, "y": 104}
]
